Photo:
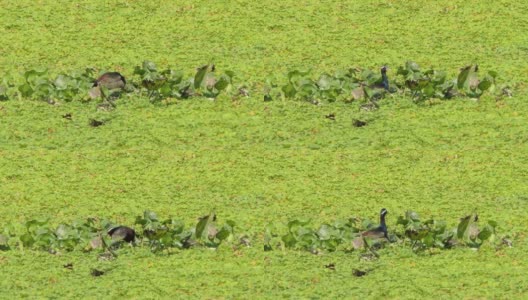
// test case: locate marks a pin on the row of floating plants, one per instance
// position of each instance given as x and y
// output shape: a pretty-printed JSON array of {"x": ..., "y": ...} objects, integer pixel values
[
  {"x": 165, "y": 235},
  {"x": 164, "y": 84}
]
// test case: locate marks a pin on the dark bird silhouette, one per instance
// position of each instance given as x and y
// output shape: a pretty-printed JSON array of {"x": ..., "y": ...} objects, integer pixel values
[
  {"x": 380, "y": 231},
  {"x": 384, "y": 84},
  {"x": 109, "y": 81},
  {"x": 377, "y": 89},
  {"x": 122, "y": 233}
]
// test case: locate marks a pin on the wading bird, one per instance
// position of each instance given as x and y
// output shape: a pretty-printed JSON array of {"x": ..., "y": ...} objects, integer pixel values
[{"x": 108, "y": 81}]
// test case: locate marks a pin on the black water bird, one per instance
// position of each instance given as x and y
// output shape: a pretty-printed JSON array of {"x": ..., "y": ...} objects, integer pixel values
[
  {"x": 384, "y": 84},
  {"x": 380, "y": 231},
  {"x": 122, "y": 233},
  {"x": 110, "y": 81},
  {"x": 374, "y": 91}
]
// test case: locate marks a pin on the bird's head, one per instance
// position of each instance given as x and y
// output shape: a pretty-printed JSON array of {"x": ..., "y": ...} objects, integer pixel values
[{"x": 383, "y": 212}]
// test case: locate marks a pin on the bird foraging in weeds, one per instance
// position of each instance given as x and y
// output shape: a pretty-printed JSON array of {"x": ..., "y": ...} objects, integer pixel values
[
  {"x": 378, "y": 234},
  {"x": 107, "y": 84},
  {"x": 380, "y": 231}
]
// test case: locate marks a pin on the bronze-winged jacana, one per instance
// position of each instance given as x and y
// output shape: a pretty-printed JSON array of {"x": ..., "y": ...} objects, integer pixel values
[
  {"x": 122, "y": 233},
  {"x": 108, "y": 81},
  {"x": 380, "y": 231}
]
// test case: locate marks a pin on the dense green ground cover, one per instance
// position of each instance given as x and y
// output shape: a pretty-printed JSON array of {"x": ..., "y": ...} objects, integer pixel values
[{"x": 257, "y": 162}]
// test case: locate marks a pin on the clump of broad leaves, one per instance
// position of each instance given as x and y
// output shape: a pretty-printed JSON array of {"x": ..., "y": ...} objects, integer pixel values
[
  {"x": 411, "y": 230},
  {"x": 171, "y": 233},
  {"x": 94, "y": 233},
  {"x": 169, "y": 83},
  {"x": 435, "y": 233},
  {"x": 365, "y": 84},
  {"x": 37, "y": 84},
  {"x": 352, "y": 84},
  {"x": 426, "y": 84}
]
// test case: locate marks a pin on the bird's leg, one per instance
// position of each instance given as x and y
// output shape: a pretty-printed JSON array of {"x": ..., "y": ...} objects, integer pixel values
[{"x": 106, "y": 98}]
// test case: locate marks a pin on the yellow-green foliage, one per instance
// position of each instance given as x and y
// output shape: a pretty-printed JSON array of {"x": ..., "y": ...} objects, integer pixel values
[{"x": 256, "y": 162}]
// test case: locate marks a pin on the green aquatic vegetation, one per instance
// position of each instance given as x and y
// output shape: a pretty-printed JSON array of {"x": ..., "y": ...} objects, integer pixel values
[
  {"x": 342, "y": 235},
  {"x": 256, "y": 162}
]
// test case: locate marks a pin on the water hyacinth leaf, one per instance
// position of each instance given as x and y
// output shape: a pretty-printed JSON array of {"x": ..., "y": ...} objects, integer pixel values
[
  {"x": 295, "y": 75},
  {"x": 463, "y": 76},
  {"x": 225, "y": 232},
  {"x": 289, "y": 240},
  {"x": 326, "y": 232},
  {"x": 412, "y": 215},
  {"x": 62, "y": 82},
  {"x": 200, "y": 75},
  {"x": 62, "y": 231},
  {"x": 25, "y": 90},
  {"x": 307, "y": 89},
  {"x": 139, "y": 71},
  {"x": 4, "y": 242},
  {"x": 229, "y": 73},
  {"x": 203, "y": 224},
  {"x": 463, "y": 227},
  {"x": 324, "y": 82},
  {"x": 289, "y": 91},
  {"x": 149, "y": 66},
  {"x": 3, "y": 93},
  {"x": 166, "y": 90},
  {"x": 27, "y": 240},
  {"x": 294, "y": 224},
  {"x": 223, "y": 82},
  {"x": 173, "y": 75},
  {"x": 33, "y": 225},
  {"x": 412, "y": 66},
  {"x": 429, "y": 90},
  {"x": 486, "y": 233},
  {"x": 150, "y": 215},
  {"x": 486, "y": 83},
  {"x": 439, "y": 77},
  {"x": 34, "y": 74}
]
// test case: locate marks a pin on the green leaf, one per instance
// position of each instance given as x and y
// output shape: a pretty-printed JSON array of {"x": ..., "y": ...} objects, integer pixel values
[
  {"x": 463, "y": 226},
  {"x": 324, "y": 82},
  {"x": 231, "y": 74},
  {"x": 225, "y": 232},
  {"x": 463, "y": 76},
  {"x": 222, "y": 83},
  {"x": 326, "y": 232},
  {"x": 289, "y": 240},
  {"x": 486, "y": 83},
  {"x": 150, "y": 215},
  {"x": 200, "y": 75},
  {"x": 166, "y": 90},
  {"x": 295, "y": 75},
  {"x": 149, "y": 66},
  {"x": 61, "y": 82},
  {"x": 486, "y": 233},
  {"x": 33, "y": 75},
  {"x": 294, "y": 224},
  {"x": 4, "y": 242},
  {"x": 62, "y": 231},
  {"x": 412, "y": 66},
  {"x": 25, "y": 90},
  {"x": 203, "y": 225},
  {"x": 27, "y": 240},
  {"x": 411, "y": 215},
  {"x": 289, "y": 91}
]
